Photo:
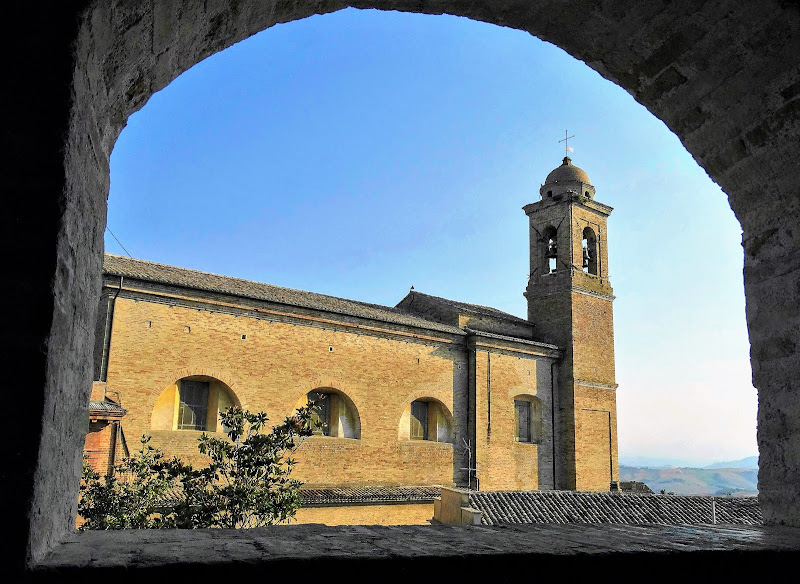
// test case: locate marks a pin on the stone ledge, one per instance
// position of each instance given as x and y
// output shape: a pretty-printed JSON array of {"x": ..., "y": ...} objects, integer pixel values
[{"x": 439, "y": 548}]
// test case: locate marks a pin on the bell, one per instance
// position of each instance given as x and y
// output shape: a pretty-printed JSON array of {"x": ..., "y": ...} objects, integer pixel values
[{"x": 552, "y": 250}]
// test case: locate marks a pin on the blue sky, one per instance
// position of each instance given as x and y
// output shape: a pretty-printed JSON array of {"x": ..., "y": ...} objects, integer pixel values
[{"x": 358, "y": 153}]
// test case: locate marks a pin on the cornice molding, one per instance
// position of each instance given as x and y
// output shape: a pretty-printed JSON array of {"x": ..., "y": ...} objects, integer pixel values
[{"x": 594, "y": 385}]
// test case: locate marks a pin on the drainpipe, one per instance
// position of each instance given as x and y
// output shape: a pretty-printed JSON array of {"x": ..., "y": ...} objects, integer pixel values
[
  {"x": 488, "y": 396},
  {"x": 112, "y": 448},
  {"x": 107, "y": 332},
  {"x": 472, "y": 406},
  {"x": 553, "y": 415}
]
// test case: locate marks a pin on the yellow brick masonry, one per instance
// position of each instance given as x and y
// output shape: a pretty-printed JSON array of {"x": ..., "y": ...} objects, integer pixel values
[
  {"x": 502, "y": 462},
  {"x": 275, "y": 366},
  {"x": 573, "y": 309},
  {"x": 384, "y": 514}
]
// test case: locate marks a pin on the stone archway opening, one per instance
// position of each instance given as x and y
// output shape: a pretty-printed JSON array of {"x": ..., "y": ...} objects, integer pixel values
[{"x": 669, "y": 58}]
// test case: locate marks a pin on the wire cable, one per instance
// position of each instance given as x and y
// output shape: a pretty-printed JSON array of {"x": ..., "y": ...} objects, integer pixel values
[{"x": 118, "y": 241}]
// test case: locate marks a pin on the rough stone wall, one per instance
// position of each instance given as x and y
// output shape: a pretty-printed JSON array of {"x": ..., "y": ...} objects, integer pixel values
[
  {"x": 274, "y": 368},
  {"x": 722, "y": 75}
]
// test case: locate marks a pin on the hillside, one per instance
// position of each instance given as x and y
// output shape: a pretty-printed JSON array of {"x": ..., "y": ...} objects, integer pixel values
[
  {"x": 695, "y": 481},
  {"x": 749, "y": 462}
]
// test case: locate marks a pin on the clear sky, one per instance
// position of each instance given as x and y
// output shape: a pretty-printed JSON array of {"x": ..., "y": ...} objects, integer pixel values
[{"x": 359, "y": 153}]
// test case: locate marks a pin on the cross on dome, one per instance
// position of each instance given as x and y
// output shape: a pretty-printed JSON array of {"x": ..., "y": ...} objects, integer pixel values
[{"x": 567, "y": 147}]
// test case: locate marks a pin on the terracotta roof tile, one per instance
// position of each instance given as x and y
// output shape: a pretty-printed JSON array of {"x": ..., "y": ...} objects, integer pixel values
[
  {"x": 104, "y": 407},
  {"x": 193, "y": 279},
  {"x": 345, "y": 495},
  {"x": 474, "y": 308},
  {"x": 577, "y": 507}
]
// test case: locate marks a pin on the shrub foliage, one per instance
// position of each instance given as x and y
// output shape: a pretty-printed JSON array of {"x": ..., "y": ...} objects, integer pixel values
[{"x": 247, "y": 482}]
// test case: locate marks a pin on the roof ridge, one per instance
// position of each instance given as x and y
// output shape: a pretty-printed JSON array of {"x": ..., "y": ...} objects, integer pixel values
[
  {"x": 461, "y": 302},
  {"x": 200, "y": 280},
  {"x": 182, "y": 269}
]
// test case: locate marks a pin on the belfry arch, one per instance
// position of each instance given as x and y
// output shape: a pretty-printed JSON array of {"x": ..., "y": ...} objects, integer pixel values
[{"x": 722, "y": 77}]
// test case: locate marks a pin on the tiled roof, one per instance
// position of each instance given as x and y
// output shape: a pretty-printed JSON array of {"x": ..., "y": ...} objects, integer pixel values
[
  {"x": 361, "y": 495},
  {"x": 104, "y": 407},
  {"x": 171, "y": 275},
  {"x": 508, "y": 338},
  {"x": 577, "y": 507},
  {"x": 347, "y": 495},
  {"x": 474, "y": 308}
]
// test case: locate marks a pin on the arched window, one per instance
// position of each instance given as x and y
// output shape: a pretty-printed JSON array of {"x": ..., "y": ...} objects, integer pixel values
[
  {"x": 527, "y": 419},
  {"x": 426, "y": 419},
  {"x": 550, "y": 251},
  {"x": 336, "y": 412},
  {"x": 192, "y": 403},
  {"x": 589, "y": 251}
]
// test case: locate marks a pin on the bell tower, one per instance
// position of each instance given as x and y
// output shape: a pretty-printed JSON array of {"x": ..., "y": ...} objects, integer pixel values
[{"x": 570, "y": 305}]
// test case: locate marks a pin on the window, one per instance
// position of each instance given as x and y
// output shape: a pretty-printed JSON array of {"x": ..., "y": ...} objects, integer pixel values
[
  {"x": 323, "y": 413},
  {"x": 337, "y": 413},
  {"x": 523, "y": 419},
  {"x": 419, "y": 420},
  {"x": 192, "y": 403},
  {"x": 193, "y": 407},
  {"x": 527, "y": 420},
  {"x": 426, "y": 419}
]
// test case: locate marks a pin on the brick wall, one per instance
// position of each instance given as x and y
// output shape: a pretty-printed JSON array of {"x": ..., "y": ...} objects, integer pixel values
[
  {"x": 387, "y": 514},
  {"x": 503, "y": 463},
  {"x": 274, "y": 367}
]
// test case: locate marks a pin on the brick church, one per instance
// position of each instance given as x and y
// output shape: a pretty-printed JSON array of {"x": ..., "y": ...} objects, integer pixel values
[{"x": 429, "y": 392}]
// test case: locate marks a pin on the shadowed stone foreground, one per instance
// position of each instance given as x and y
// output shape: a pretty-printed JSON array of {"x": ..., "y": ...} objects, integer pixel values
[{"x": 439, "y": 549}]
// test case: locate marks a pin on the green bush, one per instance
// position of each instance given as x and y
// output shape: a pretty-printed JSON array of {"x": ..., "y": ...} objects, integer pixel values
[{"x": 246, "y": 484}]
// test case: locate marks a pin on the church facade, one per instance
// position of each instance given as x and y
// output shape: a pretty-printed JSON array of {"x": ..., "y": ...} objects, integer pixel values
[{"x": 429, "y": 392}]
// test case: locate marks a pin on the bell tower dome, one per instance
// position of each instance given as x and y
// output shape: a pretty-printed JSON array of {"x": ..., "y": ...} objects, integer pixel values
[{"x": 570, "y": 305}]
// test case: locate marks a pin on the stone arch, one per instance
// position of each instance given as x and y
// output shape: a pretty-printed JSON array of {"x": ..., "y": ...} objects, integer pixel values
[
  {"x": 549, "y": 252},
  {"x": 439, "y": 422},
  {"x": 723, "y": 79},
  {"x": 225, "y": 377},
  {"x": 338, "y": 414},
  {"x": 589, "y": 238},
  {"x": 170, "y": 407}
]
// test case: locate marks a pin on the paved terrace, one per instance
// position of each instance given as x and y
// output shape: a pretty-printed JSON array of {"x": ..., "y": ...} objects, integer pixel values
[{"x": 311, "y": 552}]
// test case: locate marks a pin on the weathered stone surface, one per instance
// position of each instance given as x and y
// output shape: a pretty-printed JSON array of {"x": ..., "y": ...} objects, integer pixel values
[{"x": 444, "y": 550}]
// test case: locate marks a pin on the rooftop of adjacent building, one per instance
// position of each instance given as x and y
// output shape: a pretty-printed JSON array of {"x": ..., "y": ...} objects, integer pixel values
[{"x": 628, "y": 508}]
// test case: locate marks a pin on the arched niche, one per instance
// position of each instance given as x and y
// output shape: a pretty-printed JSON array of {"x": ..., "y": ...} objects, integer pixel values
[
  {"x": 549, "y": 250},
  {"x": 527, "y": 419},
  {"x": 192, "y": 403},
  {"x": 427, "y": 419},
  {"x": 336, "y": 412},
  {"x": 589, "y": 244}
]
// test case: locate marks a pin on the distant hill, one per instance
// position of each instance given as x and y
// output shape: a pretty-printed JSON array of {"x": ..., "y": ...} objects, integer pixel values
[
  {"x": 748, "y": 462},
  {"x": 717, "y": 481}
]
